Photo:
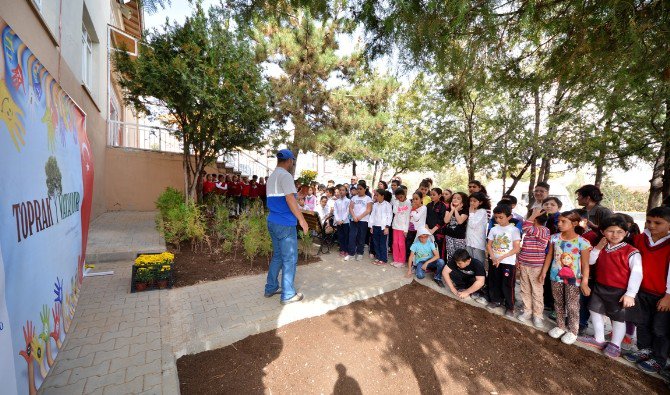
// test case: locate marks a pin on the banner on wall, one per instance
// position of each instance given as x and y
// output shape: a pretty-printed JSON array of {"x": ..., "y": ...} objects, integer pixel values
[{"x": 45, "y": 203}]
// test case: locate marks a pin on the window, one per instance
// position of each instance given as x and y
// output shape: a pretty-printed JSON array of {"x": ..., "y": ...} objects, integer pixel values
[{"x": 86, "y": 58}]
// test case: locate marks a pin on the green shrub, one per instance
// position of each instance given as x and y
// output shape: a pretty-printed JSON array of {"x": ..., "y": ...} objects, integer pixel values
[
  {"x": 305, "y": 244},
  {"x": 256, "y": 237},
  {"x": 168, "y": 200},
  {"x": 182, "y": 223}
]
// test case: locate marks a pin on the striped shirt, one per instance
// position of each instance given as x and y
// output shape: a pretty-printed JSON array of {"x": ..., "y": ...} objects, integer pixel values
[{"x": 534, "y": 246}]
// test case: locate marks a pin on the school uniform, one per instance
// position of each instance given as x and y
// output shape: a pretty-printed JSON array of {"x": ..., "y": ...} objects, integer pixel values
[{"x": 653, "y": 326}]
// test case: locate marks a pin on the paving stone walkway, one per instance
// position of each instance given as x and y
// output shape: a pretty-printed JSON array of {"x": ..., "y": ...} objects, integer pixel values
[
  {"x": 128, "y": 343},
  {"x": 120, "y": 235}
]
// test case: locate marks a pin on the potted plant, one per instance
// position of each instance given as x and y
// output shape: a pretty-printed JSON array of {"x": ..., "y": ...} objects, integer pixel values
[
  {"x": 163, "y": 276},
  {"x": 143, "y": 276},
  {"x": 156, "y": 270}
]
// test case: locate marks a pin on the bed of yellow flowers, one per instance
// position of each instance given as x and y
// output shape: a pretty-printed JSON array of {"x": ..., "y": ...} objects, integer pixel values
[{"x": 152, "y": 267}]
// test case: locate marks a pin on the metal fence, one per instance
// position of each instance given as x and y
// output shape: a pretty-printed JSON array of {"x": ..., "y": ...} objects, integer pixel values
[
  {"x": 131, "y": 135},
  {"x": 154, "y": 138}
]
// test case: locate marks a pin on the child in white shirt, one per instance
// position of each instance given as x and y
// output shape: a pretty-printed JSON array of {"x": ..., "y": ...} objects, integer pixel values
[{"x": 379, "y": 224}]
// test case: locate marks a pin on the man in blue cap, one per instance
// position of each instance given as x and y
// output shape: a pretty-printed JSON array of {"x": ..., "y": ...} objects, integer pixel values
[{"x": 282, "y": 220}]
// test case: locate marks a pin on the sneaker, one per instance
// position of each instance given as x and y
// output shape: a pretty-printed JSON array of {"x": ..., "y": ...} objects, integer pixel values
[
  {"x": 493, "y": 305},
  {"x": 509, "y": 313},
  {"x": 650, "y": 366},
  {"x": 524, "y": 317},
  {"x": 592, "y": 342},
  {"x": 397, "y": 264},
  {"x": 552, "y": 315},
  {"x": 538, "y": 322},
  {"x": 349, "y": 257},
  {"x": 627, "y": 343},
  {"x": 638, "y": 356},
  {"x": 556, "y": 332},
  {"x": 359, "y": 257},
  {"x": 296, "y": 298},
  {"x": 481, "y": 300},
  {"x": 271, "y": 294},
  {"x": 665, "y": 373},
  {"x": 612, "y": 350},
  {"x": 569, "y": 338},
  {"x": 439, "y": 283}
]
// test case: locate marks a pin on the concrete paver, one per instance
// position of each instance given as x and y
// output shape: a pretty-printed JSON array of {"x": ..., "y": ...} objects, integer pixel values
[
  {"x": 120, "y": 235},
  {"x": 128, "y": 343}
]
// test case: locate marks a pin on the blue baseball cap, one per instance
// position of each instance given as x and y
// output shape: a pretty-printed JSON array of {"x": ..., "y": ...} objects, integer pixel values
[{"x": 285, "y": 154}]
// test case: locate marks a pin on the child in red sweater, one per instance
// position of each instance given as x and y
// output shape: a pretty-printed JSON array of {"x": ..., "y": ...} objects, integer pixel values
[
  {"x": 653, "y": 327},
  {"x": 617, "y": 282}
]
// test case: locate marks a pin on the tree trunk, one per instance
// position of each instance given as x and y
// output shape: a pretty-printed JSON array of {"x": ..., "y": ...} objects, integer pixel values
[
  {"x": 374, "y": 174},
  {"x": 666, "y": 151},
  {"x": 533, "y": 157},
  {"x": 382, "y": 171},
  {"x": 545, "y": 170},
  {"x": 600, "y": 168},
  {"x": 471, "y": 155},
  {"x": 517, "y": 177},
  {"x": 505, "y": 162},
  {"x": 296, "y": 151},
  {"x": 656, "y": 182},
  {"x": 353, "y": 167}
]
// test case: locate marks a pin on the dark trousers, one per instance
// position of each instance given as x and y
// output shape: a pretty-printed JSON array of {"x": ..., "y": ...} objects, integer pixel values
[
  {"x": 343, "y": 237},
  {"x": 357, "y": 233},
  {"x": 584, "y": 313},
  {"x": 502, "y": 280},
  {"x": 409, "y": 239},
  {"x": 460, "y": 280},
  {"x": 548, "y": 298},
  {"x": 390, "y": 246},
  {"x": 380, "y": 243},
  {"x": 653, "y": 330}
]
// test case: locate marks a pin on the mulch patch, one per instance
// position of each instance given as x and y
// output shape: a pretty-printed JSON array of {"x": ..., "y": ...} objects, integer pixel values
[
  {"x": 193, "y": 267},
  {"x": 412, "y": 340}
]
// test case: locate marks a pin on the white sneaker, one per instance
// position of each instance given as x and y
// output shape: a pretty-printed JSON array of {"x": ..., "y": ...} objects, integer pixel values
[
  {"x": 481, "y": 300},
  {"x": 556, "y": 332},
  {"x": 359, "y": 257},
  {"x": 348, "y": 257},
  {"x": 569, "y": 338},
  {"x": 538, "y": 322},
  {"x": 524, "y": 317}
]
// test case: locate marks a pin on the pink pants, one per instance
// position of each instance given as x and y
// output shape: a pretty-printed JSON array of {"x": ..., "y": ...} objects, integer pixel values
[{"x": 399, "y": 246}]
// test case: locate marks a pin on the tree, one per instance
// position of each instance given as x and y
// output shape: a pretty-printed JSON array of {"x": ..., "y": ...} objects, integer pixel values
[
  {"x": 205, "y": 75},
  {"x": 54, "y": 177},
  {"x": 304, "y": 50}
]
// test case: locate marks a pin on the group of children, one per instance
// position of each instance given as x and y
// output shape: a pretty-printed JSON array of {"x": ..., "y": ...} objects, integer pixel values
[
  {"x": 580, "y": 263},
  {"x": 241, "y": 190}
]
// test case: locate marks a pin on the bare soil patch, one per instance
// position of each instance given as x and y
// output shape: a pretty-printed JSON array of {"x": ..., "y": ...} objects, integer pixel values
[
  {"x": 193, "y": 267},
  {"x": 412, "y": 340}
]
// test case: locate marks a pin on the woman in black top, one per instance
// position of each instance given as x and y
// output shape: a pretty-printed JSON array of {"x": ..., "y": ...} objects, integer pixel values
[
  {"x": 435, "y": 211},
  {"x": 456, "y": 223}
]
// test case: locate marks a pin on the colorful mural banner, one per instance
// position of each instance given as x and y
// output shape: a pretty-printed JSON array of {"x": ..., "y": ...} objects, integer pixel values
[{"x": 45, "y": 203}]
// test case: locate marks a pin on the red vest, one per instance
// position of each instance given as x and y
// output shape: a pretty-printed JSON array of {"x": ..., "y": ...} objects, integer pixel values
[
  {"x": 655, "y": 261},
  {"x": 207, "y": 187},
  {"x": 613, "y": 266}
]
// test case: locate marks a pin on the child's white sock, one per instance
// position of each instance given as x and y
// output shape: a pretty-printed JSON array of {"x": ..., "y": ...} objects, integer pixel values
[
  {"x": 618, "y": 332},
  {"x": 598, "y": 326}
]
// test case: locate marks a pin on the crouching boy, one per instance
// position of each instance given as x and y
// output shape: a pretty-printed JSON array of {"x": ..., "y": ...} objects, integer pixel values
[
  {"x": 464, "y": 275},
  {"x": 424, "y": 256}
]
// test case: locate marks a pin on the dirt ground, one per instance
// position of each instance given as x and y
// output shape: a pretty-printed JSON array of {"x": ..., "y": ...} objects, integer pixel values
[
  {"x": 409, "y": 341},
  {"x": 195, "y": 267}
]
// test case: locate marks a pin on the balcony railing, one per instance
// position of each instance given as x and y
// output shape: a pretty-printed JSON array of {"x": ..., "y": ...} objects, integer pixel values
[
  {"x": 131, "y": 135},
  {"x": 154, "y": 138}
]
